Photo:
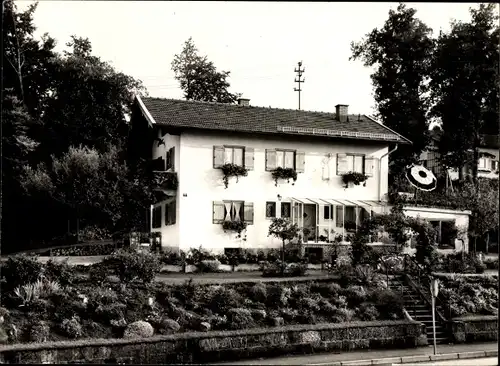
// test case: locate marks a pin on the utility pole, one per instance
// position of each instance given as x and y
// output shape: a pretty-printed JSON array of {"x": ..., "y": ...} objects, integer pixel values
[{"x": 297, "y": 80}]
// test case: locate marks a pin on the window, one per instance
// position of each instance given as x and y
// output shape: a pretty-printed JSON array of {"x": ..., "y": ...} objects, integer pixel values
[
  {"x": 350, "y": 163},
  {"x": 285, "y": 159},
  {"x": 328, "y": 212},
  {"x": 339, "y": 211},
  {"x": 232, "y": 211},
  {"x": 233, "y": 155},
  {"x": 285, "y": 209},
  {"x": 170, "y": 158},
  {"x": 156, "y": 217},
  {"x": 238, "y": 155},
  {"x": 270, "y": 209},
  {"x": 482, "y": 164},
  {"x": 494, "y": 165},
  {"x": 170, "y": 213}
]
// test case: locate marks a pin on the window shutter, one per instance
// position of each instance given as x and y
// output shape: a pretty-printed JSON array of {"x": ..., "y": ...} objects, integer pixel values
[
  {"x": 270, "y": 159},
  {"x": 172, "y": 158},
  {"x": 248, "y": 213},
  {"x": 218, "y": 212},
  {"x": 218, "y": 156},
  {"x": 249, "y": 158},
  {"x": 167, "y": 214},
  {"x": 369, "y": 166},
  {"x": 300, "y": 161},
  {"x": 167, "y": 160},
  {"x": 173, "y": 213},
  {"x": 341, "y": 164}
]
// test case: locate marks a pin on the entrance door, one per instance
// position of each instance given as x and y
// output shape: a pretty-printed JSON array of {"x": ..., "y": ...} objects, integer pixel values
[{"x": 310, "y": 221}]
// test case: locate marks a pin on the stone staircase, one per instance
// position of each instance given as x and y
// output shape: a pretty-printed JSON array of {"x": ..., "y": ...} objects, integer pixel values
[{"x": 419, "y": 309}]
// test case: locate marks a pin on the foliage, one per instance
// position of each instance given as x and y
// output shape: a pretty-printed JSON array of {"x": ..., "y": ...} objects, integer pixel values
[
  {"x": 470, "y": 295},
  {"x": 240, "y": 318},
  {"x": 39, "y": 331},
  {"x": 20, "y": 270},
  {"x": 491, "y": 263},
  {"x": 285, "y": 174},
  {"x": 209, "y": 266},
  {"x": 31, "y": 292},
  {"x": 237, "y": 226},
  {"x": 355, "y": 178},
  {"x": 71, "y": 328},
  {"x": 60, "y": 272},
  {"x": 199, "y": 78},
  {"x": 283, "y": 229},
  {"x": 130, "y": 266},
  {"x": 140, "y": 329},
  {"x": 400, "y": 52},
  {"x": 278, "y": 269},
  {"x": 165, "y": 180},
  {"x": 459, "y": 263},
  {"x": 465, "y": 93},
  {"x": 233, "y": 170},
  {"x": 85, "y": 250}
]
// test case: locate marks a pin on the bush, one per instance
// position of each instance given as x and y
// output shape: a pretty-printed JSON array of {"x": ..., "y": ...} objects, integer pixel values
[
  {"x": 139, "y": 329},
  {"x": 342, "y": 315},
  {"x": 38, "y": 332},
  {"x": 171, "y": 258},
  {"x": 291, "y": 270},
  {"x": 71, "y": 328},
  {"x": 20, "y": 270},
  {"x": 326, "y": 307},
  {"x": 308, "y": 304},
  {"x": 368, "y": 312},
  {"x": 209, "y": 266},
  {"x": 278, "y": 295},
  {"x": 220, "y": 299},
  {"x": 98, "y": 273},
  {"x": 388, "y": 303},
  {"x": 258, "y": 292},
  {"x": 239, "y": 318},
  {"x": 491, "y": 263},
  {"x": 307, "y": 317},
  {"x": 85, "y": 250},
  {"x": 167, "y": 326},
  {"x": 195, "y": 256},
  {"x": 356, "y": 294},
  {"x": 130, "y": 266},
  {"x": 60, "y": 272}
]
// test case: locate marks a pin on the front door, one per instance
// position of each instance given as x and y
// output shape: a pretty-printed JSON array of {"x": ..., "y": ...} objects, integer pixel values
[{"x": 309, "y": 222}]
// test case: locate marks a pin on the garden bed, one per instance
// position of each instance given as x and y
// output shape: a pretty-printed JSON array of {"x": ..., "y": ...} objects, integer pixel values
[
  {"x": 68, "y": 306},
  {"x": 469, "y": 295}
]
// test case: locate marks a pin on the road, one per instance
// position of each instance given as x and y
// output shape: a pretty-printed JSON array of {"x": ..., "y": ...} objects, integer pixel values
[
  {"x": 487, "y": 361},
  {"x": 327, "y": 358}
]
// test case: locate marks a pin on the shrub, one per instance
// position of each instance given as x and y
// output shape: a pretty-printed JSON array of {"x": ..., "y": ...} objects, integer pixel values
[
  {"x": 491, "y": 263},
  {"x": 388, "y": 303},
  {"x": 239, "y": 318},
  {"x": 209, "y": 266},
  {"x": 39, "y": 331},
  {"x": 168, "y": 326},
  {"x": 171, "y": 258},
  {"x": 306, "y": 317},
  {"x": 367, "y": 312},
  {"x": 20, "y": 270},
  {"x": 308, "y": 304},
  {"x": 139, "y": 329},
  {"x": 60, "y": 272},
  {"x": 34, "y": 291},
  {"x": 259, "y": 292},
  {"x": 217, "y": 322},
  {"x": 356, "y": 294},
  {"x": 130, "y": 266},
  {"x": 326, "y": 307},
  {"x": 278, "y": 295},
  {"x": 98, "y": 273},
  {"x": 342, "y": 315},
  {"x": 71, "y": 328},
  {"x": 220, "y": 299},
  {"x": 195, "y": 256}
]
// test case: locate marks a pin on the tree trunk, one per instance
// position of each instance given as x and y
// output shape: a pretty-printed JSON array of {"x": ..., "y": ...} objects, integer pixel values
[
  {"x": 283, "y": 259},
  {"x": 487, "y": 242},
  {"x": 475, "y": 244},
  {"x": 475, "y": 160}
]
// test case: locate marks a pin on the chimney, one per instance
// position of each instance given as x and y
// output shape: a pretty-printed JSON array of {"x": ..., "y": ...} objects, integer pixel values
[
  {"x": 341, "y": 111},
  {"x": 243, "y": 101}
]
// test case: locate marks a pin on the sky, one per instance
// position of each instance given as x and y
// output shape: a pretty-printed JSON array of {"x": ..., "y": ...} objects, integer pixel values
[{"x": 260, "y": 43}]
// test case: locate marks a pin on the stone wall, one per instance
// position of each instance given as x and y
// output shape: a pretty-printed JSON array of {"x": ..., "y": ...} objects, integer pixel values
[
  {"x": 475, "y": 329},
  {"x": 223, "y": 346}
]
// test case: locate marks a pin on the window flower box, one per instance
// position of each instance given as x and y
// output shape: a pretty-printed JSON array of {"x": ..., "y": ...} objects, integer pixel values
[
  {"x": 233, "y": 170},
  {"x": 285, "y": 174},
  {"x": 236, "y": 226},
  {"x": 354, "y": 178}
]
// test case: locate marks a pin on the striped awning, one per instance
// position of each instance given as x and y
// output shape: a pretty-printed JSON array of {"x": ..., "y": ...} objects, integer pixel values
[{"x": 339, "y": 202}]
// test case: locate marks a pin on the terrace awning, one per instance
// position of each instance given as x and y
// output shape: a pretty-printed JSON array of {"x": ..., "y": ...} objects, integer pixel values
[{"x": 339, "y": 202}]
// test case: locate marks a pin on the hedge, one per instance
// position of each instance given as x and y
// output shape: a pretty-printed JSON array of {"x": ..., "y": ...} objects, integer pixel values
[
  {"x": 479, "y": 328},
  {"x": 224, "y": 345}
]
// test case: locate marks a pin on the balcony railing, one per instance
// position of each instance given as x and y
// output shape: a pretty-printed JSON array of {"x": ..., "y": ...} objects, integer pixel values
[{"x": 165, "y": 181}]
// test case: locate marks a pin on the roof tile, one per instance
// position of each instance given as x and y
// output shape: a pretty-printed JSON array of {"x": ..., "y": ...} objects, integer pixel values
[{"x": 231, "y": 117}]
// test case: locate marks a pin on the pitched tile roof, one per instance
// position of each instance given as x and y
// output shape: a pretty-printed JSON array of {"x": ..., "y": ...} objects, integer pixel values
[{"x": 250, "y": 119}]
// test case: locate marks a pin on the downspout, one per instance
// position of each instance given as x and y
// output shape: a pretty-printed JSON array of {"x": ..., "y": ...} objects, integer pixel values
[{"x": 380, "y": 171}]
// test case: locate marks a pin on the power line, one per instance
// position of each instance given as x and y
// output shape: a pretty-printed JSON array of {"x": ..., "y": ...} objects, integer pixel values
[{"x": 299, "y": 74}]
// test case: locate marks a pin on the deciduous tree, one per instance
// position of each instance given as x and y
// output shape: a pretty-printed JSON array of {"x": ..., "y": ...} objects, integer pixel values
[
  {"x": 199, "y": 78},
  {"x": 465, "y": 86},
  {"x": 400, "y": 52}
]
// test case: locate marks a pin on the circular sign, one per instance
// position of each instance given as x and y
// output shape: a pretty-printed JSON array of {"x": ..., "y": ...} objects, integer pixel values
[{"x": 421, "y": 177}]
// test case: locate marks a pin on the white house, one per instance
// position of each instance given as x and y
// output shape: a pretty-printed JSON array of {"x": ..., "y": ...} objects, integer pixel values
[{"x": 193, "y": 140}]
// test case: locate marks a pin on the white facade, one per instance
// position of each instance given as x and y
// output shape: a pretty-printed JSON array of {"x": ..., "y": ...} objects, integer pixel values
[{"x": 201, "y": 191}]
